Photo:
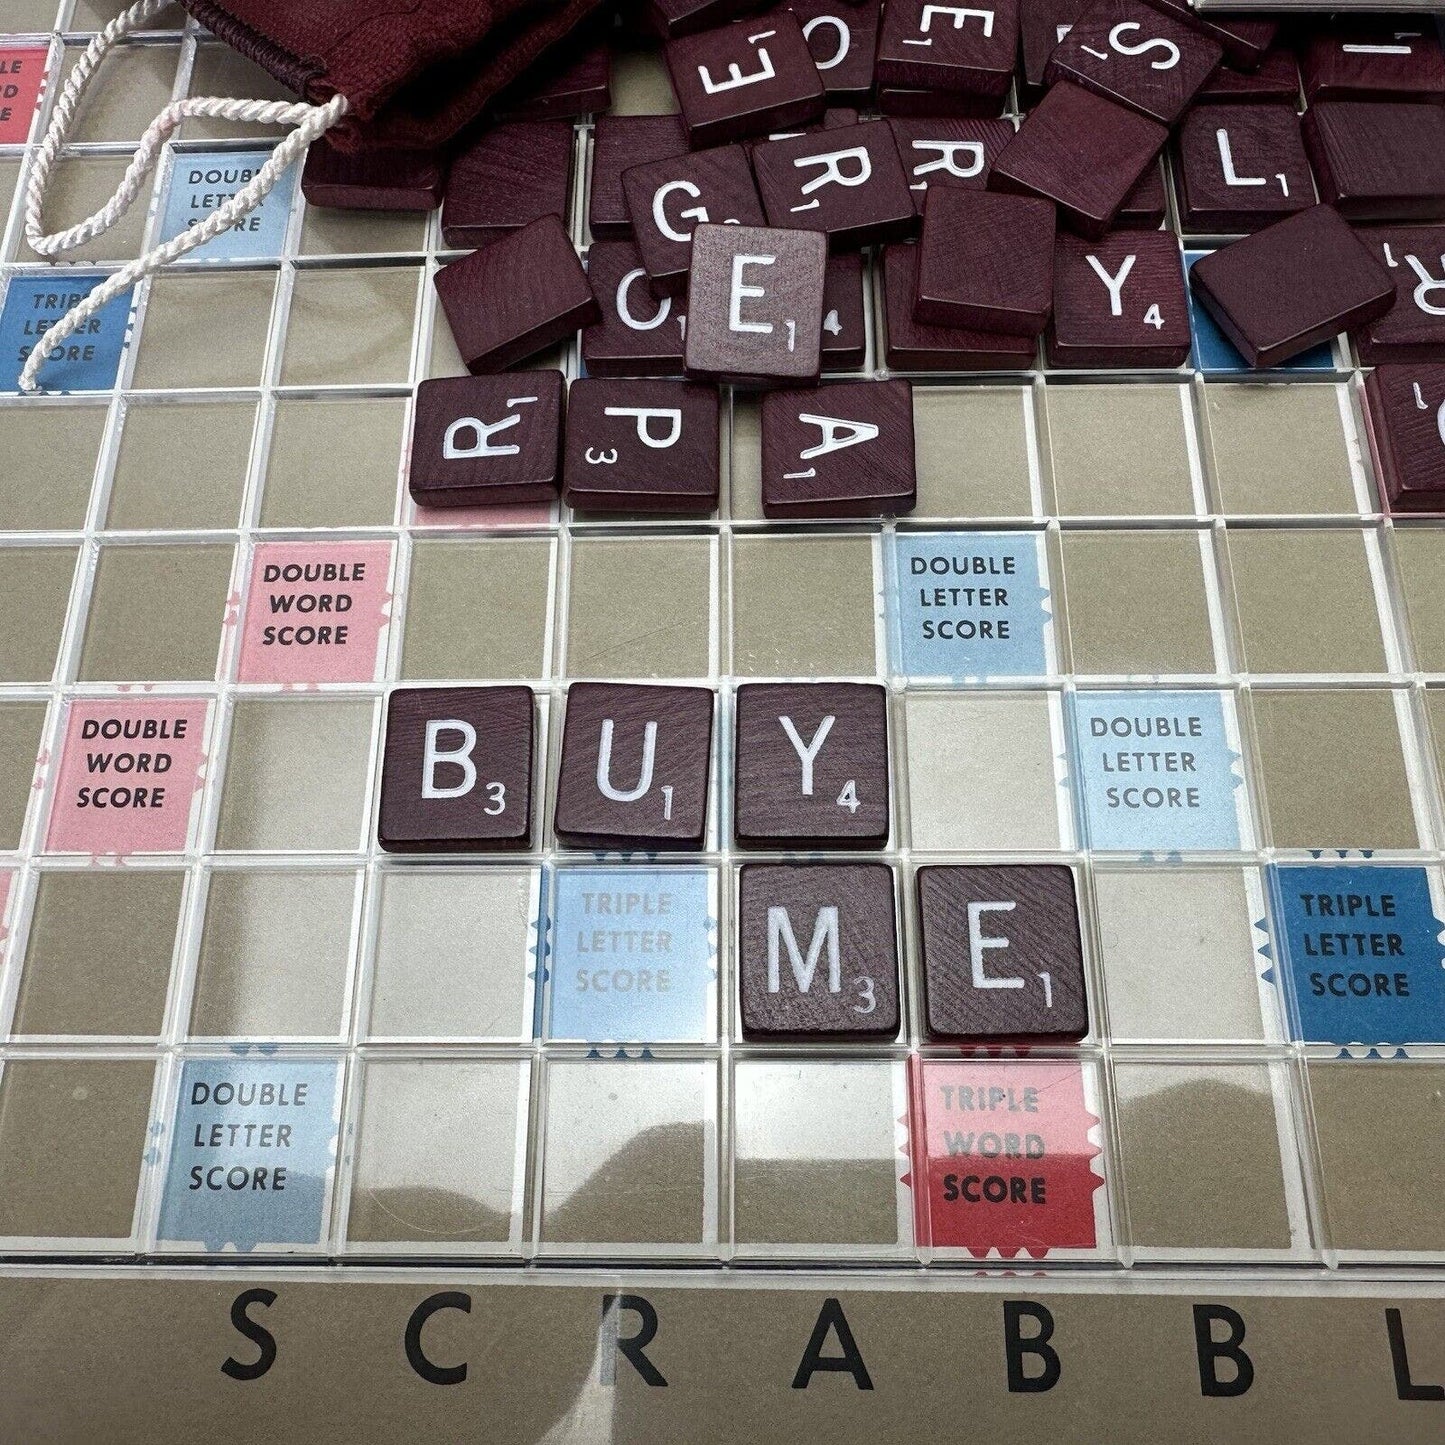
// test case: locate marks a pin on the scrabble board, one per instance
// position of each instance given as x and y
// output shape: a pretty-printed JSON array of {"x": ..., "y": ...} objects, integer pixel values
[{"x": 1063, "y": 1056}]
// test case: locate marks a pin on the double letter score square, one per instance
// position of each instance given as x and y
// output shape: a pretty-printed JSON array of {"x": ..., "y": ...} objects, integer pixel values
[{"x": 457, "y": 770}]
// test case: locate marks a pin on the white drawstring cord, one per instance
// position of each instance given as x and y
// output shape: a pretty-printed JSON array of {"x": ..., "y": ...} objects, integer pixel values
[{"x": 311, "y": 121}]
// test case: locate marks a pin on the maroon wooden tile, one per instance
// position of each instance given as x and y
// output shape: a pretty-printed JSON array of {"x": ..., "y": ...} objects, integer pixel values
[
  {"x": 516, "y": 297},
  {"x": 1276, "y": 79},
  {"x": 810, "y": 765},
  {"x": 576, "y": 82},
  {"x": 1127, "y": 51},
  {"x": 641, "y": 445},
  {"x": 948, "y": 152},
  {"x": 744, "y": 79},
  {"x": 844, "y": 450},
  {"x": 986, "y": 261},
  {"x": 619, "y": 142},
  {"x": 847, "y": 183},
  {"x": 510, "y": 175},
  {"x": 669, "y": 199},
  {"x": 834, "y": 118},
  {"x": 949, "y": 50},
  {"x": 841, "y": 39},
  {"x": 1144, "y": 207},
  {"x": 1240, "y": 167},
  {"x": 1119, "y": 301},
  {"x": 1379, "y": 161},
  {"x": 817, "y": 952},
  {"x": 1080, "y": 151},
  {"x": 480, "y": 441},
  {"x": 456, "y": 772},
  {"x": 845, "y": 328},
  {"x": 1246, "y": 39},
  {"x": 668, "y": 18},
  {"x": 1298, "y": 282},
  {"x": 755, "y": 302},
  {"x": 897, "y": 100},
  {"x": 1003, "y": 955},
  {"x": 1379, "y": 60},
  {"x": 372, "y": 180},
  {"x": 1406, "y": 407},
  {"x": 1042, "y": 25},
  {"x": 1413, "y": 329},
  {"x": 635, "y": 767},
  {"x": 639, "y": 334},
  {"x": 915, "y": 346}
]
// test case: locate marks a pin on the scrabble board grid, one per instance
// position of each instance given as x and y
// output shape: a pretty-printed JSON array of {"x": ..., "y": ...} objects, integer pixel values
[{"x": 715, "y": 1066}]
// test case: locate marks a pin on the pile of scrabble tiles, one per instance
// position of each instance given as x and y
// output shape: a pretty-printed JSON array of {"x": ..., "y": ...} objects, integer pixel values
[{"x": 727, "y": 239}]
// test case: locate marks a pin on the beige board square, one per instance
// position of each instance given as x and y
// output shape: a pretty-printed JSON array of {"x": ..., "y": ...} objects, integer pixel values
[
  {"x": 1278, "y": 448},
  {"x": 21, "y": 727},
  {"x": 329, "y": 232},
  {"x": 351, "y": 327},
  {"x": 1419, "y": 554},
  {"x": 207, "y": 329},
  {"x": 981, "y": 772},
  {"x": 453, "y": 954},
  {"x": 640, "y": 84},
  {"x": 815, "y": 1152},
  {"x": 412, "y": 1184},
  {"x": 156, "y": 613},
  {"x": 296, "y": 776},
  {"x": 1119, "y": 451},
  {"x": 99, "y": 952},
  {"x": 745, "y": 457},
  {"x": 31, "y": 17},
  {"x": 334, "y": 462},
  {"x": 275, "y": 954},
  {"x": 59, "y": 443},
  {"x": 1137, "y": 602},
  {"x": 135, "y": 86},
  {"x": 79, "y": 187},
  {"x": 1380, "y": 1134},
  {"x": 1178, "y": 954},
  {"x": 181, "y": 468},
  {"x": 640, "y": 607},
  {"x": 34, "y": 594},
  {"x": 72, "y": 1133},
  {"x": 803, "y": 606},
  {"x": 478, "y": 609},
  {"x": 446, "y": 360},
  {"x": 1304, "y": 601},
  {"x": 219, "y": 70},
  {"x": 628, "y": 1153},
  {"x": 1333, "y": 767},
  {"x": 971, "y": 449},
  {"x": 1200, "y": 1157}
]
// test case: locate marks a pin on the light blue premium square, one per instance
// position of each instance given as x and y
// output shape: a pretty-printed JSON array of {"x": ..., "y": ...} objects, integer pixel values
[
  {"x": 1155, "y": 772},
  {"x": 1359, "y": 949},
  {"x": 87, "y": 361},
  {"x": 633, "y": 955},
  {"x": 253, "y": 1141},
  {"x": 968, "y": 605},
  {"x": 202, "y": 180},
  {"x": 1213, "y": 351}
]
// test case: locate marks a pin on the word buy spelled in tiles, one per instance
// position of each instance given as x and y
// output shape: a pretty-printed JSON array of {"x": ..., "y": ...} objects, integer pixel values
[
  {"x": 372, "y": 180},
  {"x": 1002, "y": 952},
  {"x": 639, "y": 333},
  {"x": 641, "y": 446},
  {"x": 965, "y": 52},
  {"x": 755, "y": 301},
  {"x": 986, "y": 261},
  {"x": 744, "y": 79},
  {"x": 486, "y": 440},
  {"x": 1298, "y": 282},
  {"x": 1084, "y": 153},
  {"x": 1379, "y": 162},
  {"x": 516, "y": 297},
  {"x": 510, "y": 175},
  {"x": 1240, "y": 167},
  {"x": 817, "y": 951},
  {"x": 1407, "y": 418},
  {"x": 1414, "y": 327},
  {"x": 668, "y": 199},
  {"x": 457, "y": 770},
  {"x": 1127, "y": 51},
  {"x": 839, "y": 451},
  {"x": 810, "y": 766},
  {"x": 1119, "y": 302},
  {"x": 635, "y": 767},
  {"x": 848, "y": 183},
  {"x": 1353, "y": 61}
]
